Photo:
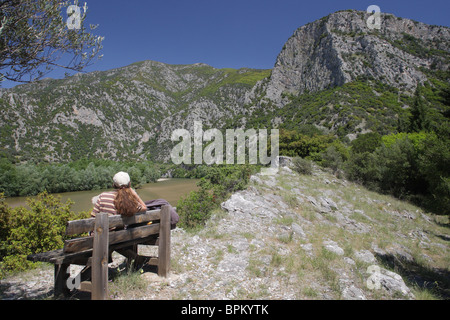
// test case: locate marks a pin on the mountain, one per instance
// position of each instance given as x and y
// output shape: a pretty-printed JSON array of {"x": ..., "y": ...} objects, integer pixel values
[
  {"x": 340, "y": 48},
  {"x": 337, "y": 74},
  {"x": 334, "y": 73},
  {"x": 120, "y": 113}
]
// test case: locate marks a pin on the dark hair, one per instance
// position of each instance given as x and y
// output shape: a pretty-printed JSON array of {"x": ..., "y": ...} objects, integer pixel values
[{"x": 126, "y": 202}]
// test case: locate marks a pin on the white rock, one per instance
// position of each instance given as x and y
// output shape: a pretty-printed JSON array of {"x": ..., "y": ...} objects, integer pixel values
[
  {"x": 333, "y": 247},
  {"x": 365, "y": 256}
]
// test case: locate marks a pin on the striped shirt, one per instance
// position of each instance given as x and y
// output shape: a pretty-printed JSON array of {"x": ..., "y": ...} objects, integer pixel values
[{"x": 105, "y": 203}]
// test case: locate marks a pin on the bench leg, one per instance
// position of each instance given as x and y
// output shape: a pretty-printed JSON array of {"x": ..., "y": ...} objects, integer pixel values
[
  {"x": 100, "y": 255},
  {"x": 61, "y": 276},
  {"x": 164, "y": 243}
]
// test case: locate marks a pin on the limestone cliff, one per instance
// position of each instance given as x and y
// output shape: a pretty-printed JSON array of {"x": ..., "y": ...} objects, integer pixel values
[{"x": 340, "y": 47}]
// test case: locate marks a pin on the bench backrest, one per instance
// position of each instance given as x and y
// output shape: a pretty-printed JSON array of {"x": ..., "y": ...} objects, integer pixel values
[{"x": 115, "y": 236}]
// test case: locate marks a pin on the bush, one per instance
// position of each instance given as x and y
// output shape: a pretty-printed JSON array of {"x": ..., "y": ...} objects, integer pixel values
[
  {"x": 362, "y": 168},
  {"x": 434, "y": 163},
  {"x": 415, "y": 166},
  {"x": 334, "y": 156},
  {"x": 398, "y": 165},
  {"x": 216, "y": 185},
  {"x": 331, "y": 158},
  {"x": 195, "y": 209},
  {"x": 302, "y": 166},
  {"x": 295, "y": 144},
  {"x": 392, "y": 168},
  {"x": 38, "y": 229},
  {"x": 367, "y": 142}
]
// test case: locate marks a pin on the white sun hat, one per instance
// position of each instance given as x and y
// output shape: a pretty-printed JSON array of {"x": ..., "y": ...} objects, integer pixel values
[{"x": 121, "y": 179}]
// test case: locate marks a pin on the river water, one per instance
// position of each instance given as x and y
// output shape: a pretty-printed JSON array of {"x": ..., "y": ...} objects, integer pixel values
[{"x": 170, "y": 189}]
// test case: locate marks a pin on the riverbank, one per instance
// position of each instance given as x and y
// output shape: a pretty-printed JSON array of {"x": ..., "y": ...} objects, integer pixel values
[
  {"x": 291, "y": 236},
  {"x": 171, "y": 189}
]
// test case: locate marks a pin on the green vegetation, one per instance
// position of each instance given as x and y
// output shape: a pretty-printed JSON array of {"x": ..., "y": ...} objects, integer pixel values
[
  {"x": 410, "y": 160},
  {"x": 416, "y": 47},
  {"x": 398, "y": 150},
  {"x": 302, "y": 166},
  {"x": 359, "y": 106},
  {"x": 38, "y": 229},
  {"x": 29, "y": 179},
  {"x": 216, "y": 185},
  {"x": 293, "y": 143},
  {"x": 244, "y": 77},
  {"x": 413, "y": 166}
]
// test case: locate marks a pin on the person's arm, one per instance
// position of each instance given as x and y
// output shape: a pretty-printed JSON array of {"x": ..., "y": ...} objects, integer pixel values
[
  {"x": 96, "y": 208},
  {"x": 142, "y": 206}
]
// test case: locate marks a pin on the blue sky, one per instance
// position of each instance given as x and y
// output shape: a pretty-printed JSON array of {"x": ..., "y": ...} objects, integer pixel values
[{"x": 221, "y": 33}]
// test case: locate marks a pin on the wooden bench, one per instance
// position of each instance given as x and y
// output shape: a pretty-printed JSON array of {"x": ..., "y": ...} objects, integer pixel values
[{"x": 110, "y": 233}]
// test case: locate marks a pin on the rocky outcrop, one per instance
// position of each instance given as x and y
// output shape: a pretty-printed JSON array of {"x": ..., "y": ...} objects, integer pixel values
[{"x": 340, "y": 47}]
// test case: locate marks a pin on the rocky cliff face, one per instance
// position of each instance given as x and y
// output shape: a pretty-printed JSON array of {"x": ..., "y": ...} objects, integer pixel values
[{"x": 340, "y": 47}]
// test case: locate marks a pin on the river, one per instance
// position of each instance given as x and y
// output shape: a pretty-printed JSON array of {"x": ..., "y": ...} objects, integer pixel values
[{"x": 170, "y": 189}]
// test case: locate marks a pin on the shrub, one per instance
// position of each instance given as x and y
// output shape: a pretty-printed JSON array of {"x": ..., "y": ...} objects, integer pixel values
[
  {"x": 195, "y": 209},
  {"x": 38, "y": 229},
  {"x": 334, "y": 156},
  {"x": 367, "y": 142},
  {"x": 302, "y": 166},
  {"x": 362, "y": 168},
  {"x": 295, "y": 144},
  {"x": 407, "y": 165},
  {"x": 218, "y": 182},
  {"x": 398, "y": 163},
  {"x": 331, "y": 158},
  {"x": 391, "y": 168},
  {"x": 434, "y": 164}
]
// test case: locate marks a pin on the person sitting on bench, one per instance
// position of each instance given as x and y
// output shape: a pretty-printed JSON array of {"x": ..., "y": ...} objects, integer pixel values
[{"x": 123, "y": 200}]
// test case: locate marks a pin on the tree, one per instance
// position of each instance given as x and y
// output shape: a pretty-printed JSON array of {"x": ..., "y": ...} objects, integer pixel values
[
  {"x": 419, "y": 120},
  {"x": 367, "y": 142},
  {"x": 435, "y": 167},
  {"x": 34, "y": 37},
  {"x": 445, "y": 94}
]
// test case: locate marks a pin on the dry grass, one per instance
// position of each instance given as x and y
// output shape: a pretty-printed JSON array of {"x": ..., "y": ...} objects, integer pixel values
[{"x": 389, "y": 227}]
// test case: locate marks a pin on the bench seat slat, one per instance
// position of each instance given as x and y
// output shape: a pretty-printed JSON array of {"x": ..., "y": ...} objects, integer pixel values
[
  {"x": 45, "y": 256},
  {"x": 60, "y": 257},
  {"x": 85, "y": 243},
  {"x": 118, "y": 221}
]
